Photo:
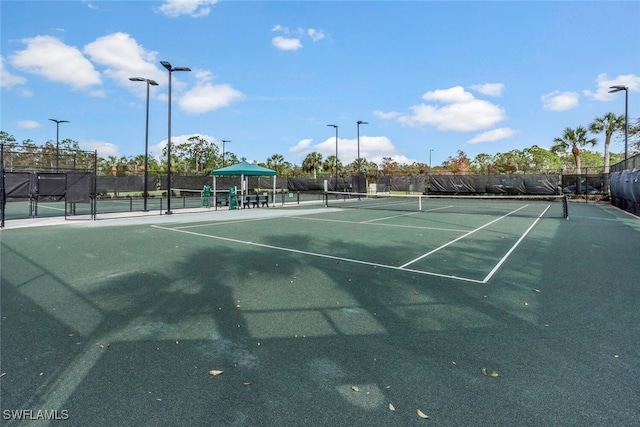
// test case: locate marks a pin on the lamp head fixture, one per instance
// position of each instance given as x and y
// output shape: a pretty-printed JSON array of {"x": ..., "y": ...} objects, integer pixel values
[
  {"x": 617, "y": 88},
  {"x": 142, "y": 79}
]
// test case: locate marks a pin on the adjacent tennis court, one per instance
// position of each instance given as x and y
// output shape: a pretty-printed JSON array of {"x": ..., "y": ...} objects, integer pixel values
[{"x": 316, "y": 315}]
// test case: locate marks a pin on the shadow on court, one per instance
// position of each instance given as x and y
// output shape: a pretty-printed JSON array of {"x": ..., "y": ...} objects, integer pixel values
[{"x": 121, "y": 326}]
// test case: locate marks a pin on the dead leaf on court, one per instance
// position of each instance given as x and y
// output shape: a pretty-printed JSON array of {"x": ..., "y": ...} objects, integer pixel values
[
  {"x": 492, "y": 374},
  {"x": 421, "y": 414}
]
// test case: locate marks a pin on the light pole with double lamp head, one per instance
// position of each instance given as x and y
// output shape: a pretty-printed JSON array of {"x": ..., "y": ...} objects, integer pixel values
[
  {"x": 224, "y": 141},
  {"x": 58, "y": 138},
  {"x": 171, "y": 69},
  {"x": 146, "y": 138},
  {"x": 615, "y": 89},
  {"x": 359, "y": 122},
  {"x": 336, "y": 127}
]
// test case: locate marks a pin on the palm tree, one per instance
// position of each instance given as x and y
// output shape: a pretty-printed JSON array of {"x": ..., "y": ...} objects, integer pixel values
[
  {"x": 330, "y": 165},
  {"x": 312, "y": 162},
  {"x": 573, "y": 139},
  {"x": 609, "y": 124},
  {"x": 634, "y": 136},
  {"x": 275, "y": 162}
]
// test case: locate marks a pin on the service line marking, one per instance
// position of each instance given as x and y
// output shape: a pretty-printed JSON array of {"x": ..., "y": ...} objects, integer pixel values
[{"x": 461, "y": 237}]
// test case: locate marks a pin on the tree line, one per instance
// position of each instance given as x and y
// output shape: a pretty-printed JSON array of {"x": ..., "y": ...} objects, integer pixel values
[{"x": 567, "y": 153}]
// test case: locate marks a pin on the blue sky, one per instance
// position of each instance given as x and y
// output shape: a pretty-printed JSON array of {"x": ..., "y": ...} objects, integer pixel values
[{"x": 481, "y": 77}]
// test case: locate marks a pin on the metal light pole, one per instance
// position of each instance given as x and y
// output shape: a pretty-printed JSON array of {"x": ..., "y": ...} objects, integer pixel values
[
  {"x": 146, "y": 138},
  {"x": 359, "y": 122},
  {"x": 429, "y": 174},
  {"x": 224, "y": 141},
  {"x": 615, "y": 89},
  {"x": 58, "y": 138},
  {"x": 171, "y": 69},
  {"x": 336, "y": 127}
]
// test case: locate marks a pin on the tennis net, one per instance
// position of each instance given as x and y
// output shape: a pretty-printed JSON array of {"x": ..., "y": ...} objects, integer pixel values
[{"x": 550, "y": 206}]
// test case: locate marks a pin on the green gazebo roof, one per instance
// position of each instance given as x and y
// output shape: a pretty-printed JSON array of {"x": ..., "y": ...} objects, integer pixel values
[{"x": 244, "y": 168}]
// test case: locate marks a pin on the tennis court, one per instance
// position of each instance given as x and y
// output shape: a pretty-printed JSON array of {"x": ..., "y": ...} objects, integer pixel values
[
  {"x": 315, "y": 315},
  {"x": 418, "y": 242}
]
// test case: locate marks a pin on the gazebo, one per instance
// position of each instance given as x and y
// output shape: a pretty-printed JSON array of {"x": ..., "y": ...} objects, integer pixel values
[{"x": 243, "y": 170}]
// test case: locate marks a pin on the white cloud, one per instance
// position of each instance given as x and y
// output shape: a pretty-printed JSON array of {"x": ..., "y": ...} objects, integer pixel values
[
  {"x": 208, "y": 97},
  {"x": 123, "y": 57},
  {"x": 8, "y": 80},
  {"x": 292, "y": 39},
  {"x": 49, "y": 57},
  {"x": 193, "y": 8},
  {"x": 604, "y": 83},
  {"x": 105, "y": 149},
  {"x": 386, "y": 115},
  {"x": 462, "y": 113},
  {"x": 492, "y": 135},
  {"x": 28, "y": 124},
  {"x": 557, "y": 101},
  {"x": 490, "y": 89},
  {"x": 454, "y": 95},
  {"x": 315, "y": 34},
  {"x": 302, "y": 145},
  {"x": 285, "y": 43}
]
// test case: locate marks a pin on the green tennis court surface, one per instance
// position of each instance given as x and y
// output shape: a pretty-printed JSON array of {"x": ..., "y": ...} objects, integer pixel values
[{"x": 325, "y": 316}]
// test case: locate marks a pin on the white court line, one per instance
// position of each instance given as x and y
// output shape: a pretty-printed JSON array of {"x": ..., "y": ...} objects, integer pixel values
[
  {"x": 437, "y": 209},
  {"x": 504, "y": 258},
  {"x": 49, "y": 207},
  {"x": 355, "y": 261},
  {"x": 462, "y": 237},
  {"x": 341, "y": 221},
  {"x": 389, "y": 217},
  {"x": 305, "y": 218},
  {"x": 233, "y": 221},
  {"x": 405, "y": 214},
  {"x": 270, "y": 215}
]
